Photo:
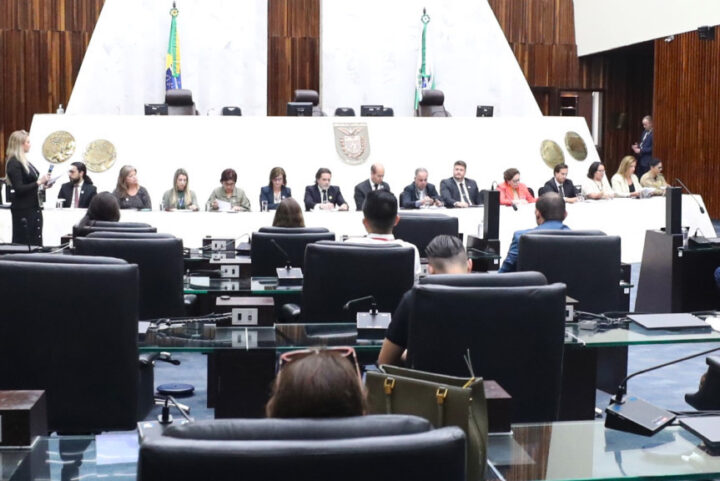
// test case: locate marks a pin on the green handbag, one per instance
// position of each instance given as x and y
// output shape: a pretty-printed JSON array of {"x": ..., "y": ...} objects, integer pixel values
[{"x": 442, "y": 400}]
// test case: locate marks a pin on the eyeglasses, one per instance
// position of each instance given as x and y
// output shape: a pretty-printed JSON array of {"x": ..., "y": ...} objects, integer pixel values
[{"x": 342, "y": 351}]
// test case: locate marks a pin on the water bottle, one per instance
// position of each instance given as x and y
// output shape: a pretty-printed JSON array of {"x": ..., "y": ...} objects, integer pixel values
[{"x": 60, "y": 110}]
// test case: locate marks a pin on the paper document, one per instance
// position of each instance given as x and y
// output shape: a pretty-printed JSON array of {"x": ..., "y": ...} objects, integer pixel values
[{"x": 224, "y": 206}]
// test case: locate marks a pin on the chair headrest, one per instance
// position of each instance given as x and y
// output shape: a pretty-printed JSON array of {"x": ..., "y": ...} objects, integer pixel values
[
  {"x": 128, "y": 235},
  {"x": 432, "y": 97},
  {"x": 510, "y": 279},
  {"x": 178, "y": 97},
  {"x": 344, "y": 112},
  {"x": 307, "y": 96},
  {"x": 293, "y": 230},
  {"x": 560, "y": 232},
  {"x": 61, "y": 259}
]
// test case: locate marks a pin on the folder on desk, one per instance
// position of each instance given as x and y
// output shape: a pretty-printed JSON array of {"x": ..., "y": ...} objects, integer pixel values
[
  {"x": 706, "y": 428},
  {"x": 680, "y": 320}
]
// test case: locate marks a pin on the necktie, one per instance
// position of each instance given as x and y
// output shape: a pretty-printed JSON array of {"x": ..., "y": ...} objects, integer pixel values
[
  {"x": 562, "y": 191},
  {"x": 76, "y": 196},
  {"x": 463, "y": 193},
  {"x": 375, "y": 186},
  {"x": 324, "y": 196}
]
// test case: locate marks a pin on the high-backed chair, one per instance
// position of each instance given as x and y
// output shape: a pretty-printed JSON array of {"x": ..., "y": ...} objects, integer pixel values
[
  {"x": 265, "y": 257},
  {"x": 420, "y": 229},
  {"x": 515, "y": 335},
  {"x": 431, "y": 104},
  {"x": 337, "y": 272},
  {"x": 312, "y": 96},
  {"x": 160, "y": 260},
  {"x": 232, "y": 111},
  {"x": 588, "y": 262},
  {"x": 344, "y": 112},
  {"x": 180, "y": 102},
  {"x": 381, "y": 448},
  {"x": 69, "y": 327},
  {"x": 104, "y": 226}
]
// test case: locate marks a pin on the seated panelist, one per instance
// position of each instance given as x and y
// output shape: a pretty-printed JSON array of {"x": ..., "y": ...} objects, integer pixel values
[
  {"x": 512, "y": 191},
  {"x": 560, "y": 184},
  {"x": 459, "y": 191},
  {"x": 129, "y": 193},
  {"x": 276, "y": 190},
  {"x": 420, "y": 193},
  {"x": 323, "y": 196},
  {"x": 375, "y": 182},
  {"x": 80, "y": 190},
  {"x": 228, "y": 196},
  {"x": 180, "y": 197}
]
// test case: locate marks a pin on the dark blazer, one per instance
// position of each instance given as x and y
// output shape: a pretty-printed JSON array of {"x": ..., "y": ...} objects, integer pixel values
[
  {"x": 409, "y": 195},
  {"x": 266, "y": 194},
  {"x": 23, "y": 184},
  {"x": 551, "y": 186},
  {"x": 451, "y": 194},
  {"x": 312, "y": 196},
  {"x": 363, "y": 189},
  {"x": 87, "y": 192},
  {"x": 645, "y": 155}
]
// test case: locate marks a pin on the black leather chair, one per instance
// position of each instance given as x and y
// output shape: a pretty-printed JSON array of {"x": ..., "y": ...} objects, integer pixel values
[
  {"x": 420, "y": 229},
  {"x": 180, "y": 102},
  {"x": 378, "y": 448},
  {"x": 69, "y": 327},
  {"x": 312, "y": 96},
  {"x": 587, "y": 261},
  {"x": 232, "y": 111},
  {"x": 515, "y": 335},
  {"x": 344, "y": 112},
  {"x": 160, "y": 261},
  {"x": 337, "y": 272},
  {"x": 265, "y": 256},
  {"x": 104, "y": 226},
  {"x": 431, "y": 104}
]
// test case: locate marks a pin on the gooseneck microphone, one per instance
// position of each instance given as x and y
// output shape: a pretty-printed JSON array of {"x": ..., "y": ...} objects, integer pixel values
[
  {"x": 494, "y": 185},
  {"x": 359, "y": 300},
  {"x": 692, "y": 196},
  {"x": 288, "y": 263}
]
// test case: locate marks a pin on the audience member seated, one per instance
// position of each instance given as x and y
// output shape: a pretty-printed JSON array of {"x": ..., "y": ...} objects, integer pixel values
[
  {"x": 288, "y": 214},
  {"x": 323, "y": 196},
  {"x": 379, "y": 218},
  {"x": 654, "y": 179},
  {"x": 512, "y": 192},
  {"x": 129, "y": 193},
  {"x": 560, "y": 184},
  {"x": 420, "y": 193},
  {"x": 625, "y": 183},
  {"x": 180, "y": 197},
  {"x": 276, "y": 190},
  {"x": 596, "y": 186},
  {"x": 459, "y": 191},
  {"x": 549, "y": 213},
  {"x": 377, "y": 173},
  {"x": 317, "y": 383},
  {"x": 80, "y": 190},
  {"x": 103, "y": 207},
  {"x": 228, "y": 197},
  {"x": 446, "y": 255}
]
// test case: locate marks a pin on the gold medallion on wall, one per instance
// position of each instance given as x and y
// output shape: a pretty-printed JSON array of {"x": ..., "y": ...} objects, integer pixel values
[
  {"x": 551, "y": 153},
  {"x": 58, "y": 147},
  {"x": 100, "y": 155},
  {"x": 576, "y": 146}
]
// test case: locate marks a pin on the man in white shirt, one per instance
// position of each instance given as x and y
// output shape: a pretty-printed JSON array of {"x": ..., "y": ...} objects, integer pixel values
[{"x": 380, "y": 216}]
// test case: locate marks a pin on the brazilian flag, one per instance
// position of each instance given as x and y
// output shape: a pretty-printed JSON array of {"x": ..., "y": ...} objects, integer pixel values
[{"x": 172, "y": 59}]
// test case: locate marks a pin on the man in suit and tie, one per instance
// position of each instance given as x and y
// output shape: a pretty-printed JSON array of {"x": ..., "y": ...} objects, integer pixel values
[
  {"x": 323, "y": 196},
  {"x": 643, "y": 150},
  {"x": 560, "y": 184},
  {"x": 80, "y": 190},
  {"x": 420, "y": 193},
  {"x": 377, "y": 173},
  {"x": 458, "y": 191}
]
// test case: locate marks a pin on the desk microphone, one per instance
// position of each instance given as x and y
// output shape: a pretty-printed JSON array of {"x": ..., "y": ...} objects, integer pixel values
[
  {"x": 633, "y": 415},
  {"x": 287, "y": 276},
  {"x": 702, "y": 210},
  {"x": 288, "y": 263},
  {"x": 494, "y": 185},
  {"x": 370, "y": 325},
  {"x": 359, "y": 300},
  {"x": 514, "y": 207}
]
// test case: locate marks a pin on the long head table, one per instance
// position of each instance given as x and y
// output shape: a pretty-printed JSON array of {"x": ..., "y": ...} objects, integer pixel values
[{"x": 627, "y": 218}]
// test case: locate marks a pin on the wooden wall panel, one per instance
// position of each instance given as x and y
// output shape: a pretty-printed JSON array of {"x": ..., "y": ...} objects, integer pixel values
[
  {"x": 293, "y": 50},
  {"x": 687, "y": 114},
  {"x": 42, "y": 44}
]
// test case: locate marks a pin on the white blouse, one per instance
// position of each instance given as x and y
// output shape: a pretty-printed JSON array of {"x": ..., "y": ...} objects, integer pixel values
[
  {"x": 591, "y": 186},
  {"x": 621, "y": 187}
]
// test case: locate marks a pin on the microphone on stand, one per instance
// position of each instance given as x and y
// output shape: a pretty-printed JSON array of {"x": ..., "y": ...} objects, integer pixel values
[
  {"x": 514, "y": 206},
  {"x": 288, "y": 263},
  {"x": 692, "y": 196},
  {"x": 288, "y": 275}
]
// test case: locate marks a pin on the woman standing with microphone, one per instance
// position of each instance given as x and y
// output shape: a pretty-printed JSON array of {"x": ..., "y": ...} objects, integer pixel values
[{"x": 25, "y": 181}]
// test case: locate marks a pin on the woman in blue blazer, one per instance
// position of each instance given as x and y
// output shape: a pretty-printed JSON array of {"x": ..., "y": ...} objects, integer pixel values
[{"x": 275, "y": 191}]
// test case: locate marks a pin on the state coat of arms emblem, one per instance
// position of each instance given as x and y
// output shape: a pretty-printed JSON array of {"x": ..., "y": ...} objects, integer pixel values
[{"x": 352, "y": 142}]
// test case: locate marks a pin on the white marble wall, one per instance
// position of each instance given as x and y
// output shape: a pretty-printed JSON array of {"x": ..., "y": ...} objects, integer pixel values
[
  {"x": 369, "y": 54},
  {"x": 223, "y": 47}
]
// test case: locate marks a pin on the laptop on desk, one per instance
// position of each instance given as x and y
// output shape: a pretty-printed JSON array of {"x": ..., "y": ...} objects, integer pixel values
[{"x": 673, "y": 321}]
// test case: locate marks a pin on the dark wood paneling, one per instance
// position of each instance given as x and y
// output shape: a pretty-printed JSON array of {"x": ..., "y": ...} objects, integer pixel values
[
  {"x": 42, "y": 44},
  {"x": 687, "y": 114},
  {"x": 293, "y": 50}
]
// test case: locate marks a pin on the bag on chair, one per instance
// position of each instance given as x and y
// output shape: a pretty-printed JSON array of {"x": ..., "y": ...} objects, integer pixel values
[{"x": 442, "y": 400}]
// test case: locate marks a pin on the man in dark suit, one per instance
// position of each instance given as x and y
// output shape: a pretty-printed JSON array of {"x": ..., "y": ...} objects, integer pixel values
[
  {"x": 643, "y": 150},
  {"x": 420, "y": 193},
  {"x": 560, "y": 184},
  {"x": 322, "y": 195},
  {"x": 377, "y": 173},
  {"x": 457, "y": 191},
  {"x": 80, "y": 190}
]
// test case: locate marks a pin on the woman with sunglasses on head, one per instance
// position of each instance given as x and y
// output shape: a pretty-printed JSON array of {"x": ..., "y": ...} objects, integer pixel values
[
  {"x": 512, "y": 191},
  {"x": 317, "y": 384}
]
